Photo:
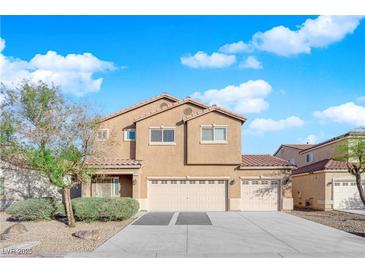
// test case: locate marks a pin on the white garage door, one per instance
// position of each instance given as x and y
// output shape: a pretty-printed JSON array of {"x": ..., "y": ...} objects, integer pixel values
[
  {"x": 346, "y": 195},
  {"x": 259, "y": 195},
  {"x": 187, "y": 195}
]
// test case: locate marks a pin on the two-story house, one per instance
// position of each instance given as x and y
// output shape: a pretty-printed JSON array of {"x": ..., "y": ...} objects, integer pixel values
[
  {"x": 321, "y": 181},
  {"x": 183, "y": 155}
]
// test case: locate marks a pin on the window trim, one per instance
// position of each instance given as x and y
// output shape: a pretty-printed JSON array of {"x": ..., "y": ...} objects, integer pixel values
[
  {"x": 107, "y": 134},
  {"x": 125, "y": 133},
  {"x": 162, "y": 143},
  {"x": 214, "y": 141}
]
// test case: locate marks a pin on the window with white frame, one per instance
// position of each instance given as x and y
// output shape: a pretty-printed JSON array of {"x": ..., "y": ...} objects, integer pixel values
[
  {"x": 102, "y": 134},
  {"x": 309, "y": 157},
  {"x": 214, "y": 134},
  {"x": 130, "y": 134},
  {"x": 162, "y": 136}
]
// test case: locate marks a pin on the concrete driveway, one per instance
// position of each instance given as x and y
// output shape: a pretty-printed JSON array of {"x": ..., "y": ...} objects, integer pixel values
[{"x": 229, "y": 234}]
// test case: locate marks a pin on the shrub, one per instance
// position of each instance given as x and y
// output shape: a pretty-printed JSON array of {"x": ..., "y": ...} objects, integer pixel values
[
  {"x": 59, "y": 210},
  {"x": 118, "y": 209},
  {"x": 104, "y": 209},
  {"x": 32, "y": 209}
]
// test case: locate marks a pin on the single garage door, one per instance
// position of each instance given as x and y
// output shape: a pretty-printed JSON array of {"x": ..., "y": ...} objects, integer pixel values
[
  {"x": 346, "y": 195},
  {"x": 259, "y": 195},
  {"x": 187, "y": 195}
]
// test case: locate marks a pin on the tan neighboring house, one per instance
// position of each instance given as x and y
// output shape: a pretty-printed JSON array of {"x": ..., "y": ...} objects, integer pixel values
[
  {"x": 183, "y": 155},
  {"x": 321, "y": 182}
]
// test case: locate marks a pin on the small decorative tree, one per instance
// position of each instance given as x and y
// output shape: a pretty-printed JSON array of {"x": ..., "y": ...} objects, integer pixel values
[
  {"x": 353, "y": 152},
  {"x": 40, "y": 130}
]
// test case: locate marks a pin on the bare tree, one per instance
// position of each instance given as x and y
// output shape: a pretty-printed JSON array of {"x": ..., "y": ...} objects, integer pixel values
[
  {"x": 353, "y": 152},
  {"x": 40, "y": 130}
]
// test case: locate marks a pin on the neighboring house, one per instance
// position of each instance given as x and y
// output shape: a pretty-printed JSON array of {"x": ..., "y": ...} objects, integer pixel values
[
  {"x": 183, "y": 155},
  {"x": 321, "y": 182},
  {"x": 17, "y": 184}
]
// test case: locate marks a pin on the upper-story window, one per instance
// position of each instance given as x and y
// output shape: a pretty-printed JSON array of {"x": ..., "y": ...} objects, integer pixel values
[
  {"x": 130, "y": 134},
  {"x": 102, "y": 134},
  {"x": 309, "y": 157},
  {"x": 214, "y": 134},
  {"x": 162, "y": 136}
]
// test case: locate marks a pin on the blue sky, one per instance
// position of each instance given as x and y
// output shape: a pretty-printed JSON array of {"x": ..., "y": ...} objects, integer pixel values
[{"x": 296, "y": 78}]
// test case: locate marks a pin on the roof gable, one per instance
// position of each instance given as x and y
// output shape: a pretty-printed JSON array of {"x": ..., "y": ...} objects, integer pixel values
[
  {"x": 187, "y": 100},
  {"x": 215, "y": 108},
  {"x": 141, "y": 104},
  {"x": 299, "y": 147}
]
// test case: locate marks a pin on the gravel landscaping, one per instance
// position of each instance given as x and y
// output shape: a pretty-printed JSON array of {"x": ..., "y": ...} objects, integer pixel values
[
  {"x": 349, "y": 222},
  {"x": 55, "y": 239}
]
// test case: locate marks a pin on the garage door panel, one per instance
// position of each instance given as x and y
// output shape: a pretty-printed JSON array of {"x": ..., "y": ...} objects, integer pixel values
[
  {"x": 346, "y": 195},
  {"x": 187, "y": 195},
  {"x": 259, "y": 195}
]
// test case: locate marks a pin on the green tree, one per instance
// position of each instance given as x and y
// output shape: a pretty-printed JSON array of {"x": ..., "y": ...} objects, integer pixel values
[
  {"x": 40, "y": 130},
  {"x": 353, "y": 152}
]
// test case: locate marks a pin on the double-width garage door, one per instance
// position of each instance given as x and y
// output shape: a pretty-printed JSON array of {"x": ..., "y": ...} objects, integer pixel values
[
  {"x": 259, "y": 195},
  {"x": 187, "y": 195},
  {"x": 346, "y": 195}
]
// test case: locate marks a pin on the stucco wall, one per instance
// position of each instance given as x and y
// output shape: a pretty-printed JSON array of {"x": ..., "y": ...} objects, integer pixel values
[
  {"x": 24, "y": 184},
  {"x": 310, "y": 188},
  {"x": 289, "y": 153},
  {"x": 214, "y": 153},
  {"x": 115, "y": 146}
]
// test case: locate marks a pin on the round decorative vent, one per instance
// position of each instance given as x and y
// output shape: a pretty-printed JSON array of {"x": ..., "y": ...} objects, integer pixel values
[
  {"x": 163, "y": 105},
  {"x": 188, "y": 111}
]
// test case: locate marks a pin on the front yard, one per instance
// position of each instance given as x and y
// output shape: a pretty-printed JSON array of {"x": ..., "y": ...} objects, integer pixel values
[
  {"x": 349, "y": 222},
  {"x": 54, "y": 238}
]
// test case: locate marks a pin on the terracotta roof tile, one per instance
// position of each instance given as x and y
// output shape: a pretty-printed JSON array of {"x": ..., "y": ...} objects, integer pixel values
[
  {"x": 299, "y": 146},
  {"x": 170, "y": 106},
  {"x": 360, "y": 133},
  {"x": 103, "y": 162},
  {"x": 140, "y": 104},
  {"x": 327, "y": 164},
  {"x": 263, "y": 160},
  {"x": 215, "y": 108}
]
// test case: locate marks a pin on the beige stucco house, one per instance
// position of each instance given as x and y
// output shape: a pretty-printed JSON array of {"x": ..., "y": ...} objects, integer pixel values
[
  {"x": 183, "y": 155},
  {"x": 320, "y": 181}
]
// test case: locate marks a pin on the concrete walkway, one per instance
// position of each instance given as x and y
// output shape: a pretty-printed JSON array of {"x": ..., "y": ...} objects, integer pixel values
[{"x": 233, "y": 234}]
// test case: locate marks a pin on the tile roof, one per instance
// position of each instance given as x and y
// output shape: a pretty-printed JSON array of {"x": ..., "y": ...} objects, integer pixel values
[
  {"x": 295, "y": 146},
  {"x": 326, "y": 164},
  {"x": 360, "y": 133},
  {"x": 140, "y": 104},
  {"x": 263, "y": 160},
  {"x": 215, "y": 108},
  {"x": 114, "y": 162},
  {"x": 170, "y": 106}
]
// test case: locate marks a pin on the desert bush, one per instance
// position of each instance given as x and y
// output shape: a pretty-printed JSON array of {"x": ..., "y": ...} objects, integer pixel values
[
  {"x": 115, "y": 209},
  {"x": 104, "y": 209},
  {"x": 32, "y": 209}
]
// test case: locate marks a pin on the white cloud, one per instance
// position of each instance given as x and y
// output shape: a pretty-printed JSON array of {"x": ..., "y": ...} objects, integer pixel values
[
  {"x": 74, "y": 73},
  {"x": 360, "y": 99},
  {"x": 203, "y": 60},
  {"x": 248, "y": 97},
  {"x": 261, "y": 125},
  {"x": 313, "y": 33},
  {"x": 348, "y": 113},
  {"x": 251, "y": 62},
  {"x": 236, "y": 47},
  {"x": 310, "y": 139}
]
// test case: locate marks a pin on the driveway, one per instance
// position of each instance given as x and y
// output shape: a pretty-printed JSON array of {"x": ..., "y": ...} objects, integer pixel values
[{"x": 228, "y": 234}]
